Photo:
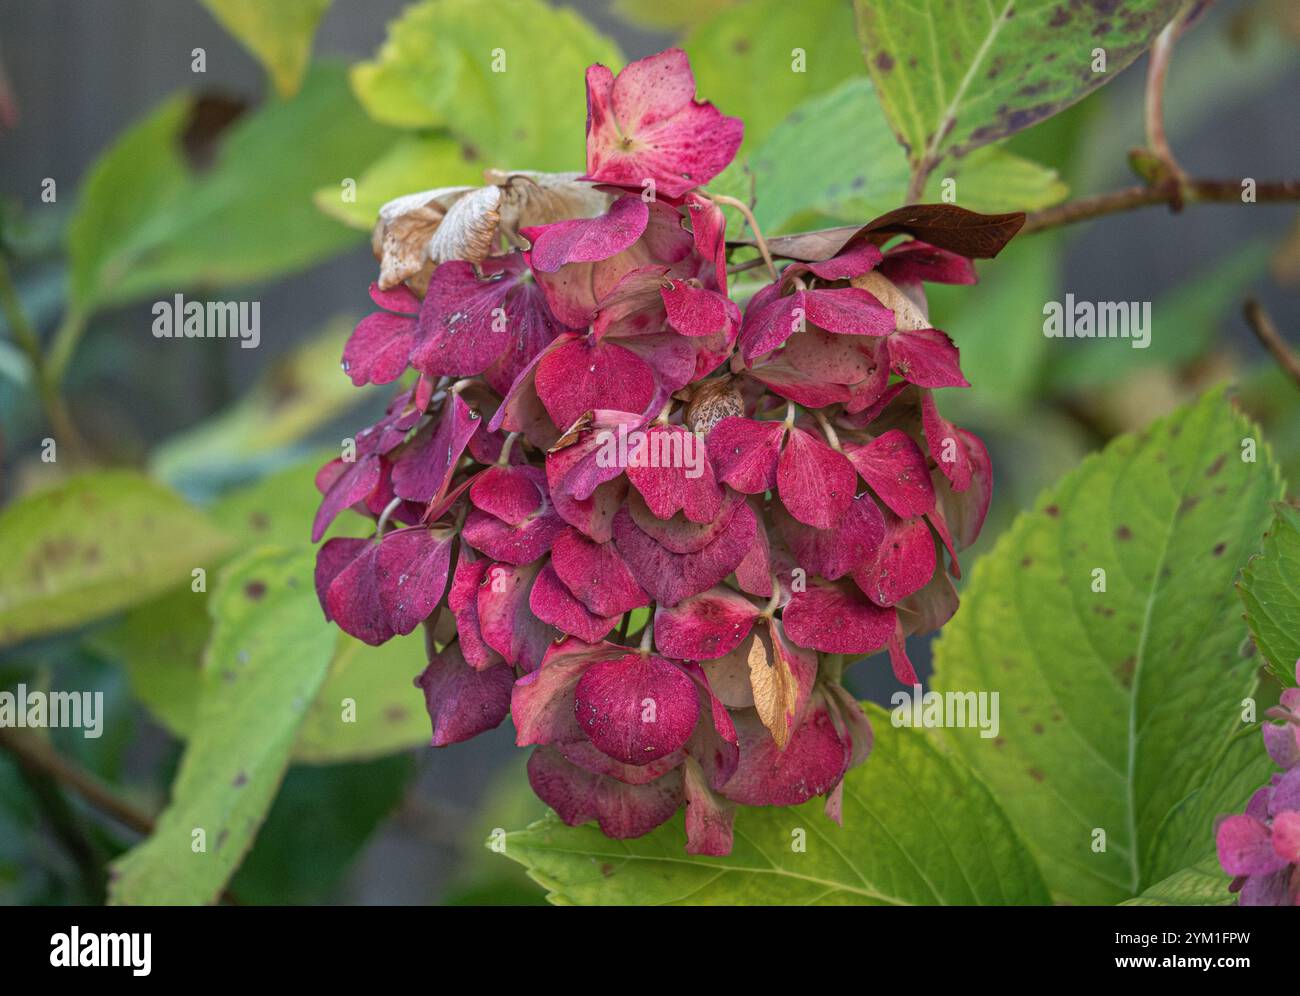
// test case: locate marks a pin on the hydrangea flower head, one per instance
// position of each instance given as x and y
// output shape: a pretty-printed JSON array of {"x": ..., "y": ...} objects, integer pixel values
[{"x": 645, "y": 523}]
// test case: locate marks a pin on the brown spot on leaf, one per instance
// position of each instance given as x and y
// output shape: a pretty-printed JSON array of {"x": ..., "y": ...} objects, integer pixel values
[
  {"x": 1124, "y": 670},
  {"x": 1053, "y": 511},
  {"x": 1124, "y": 533},
  {"x": 1219, "y": 548},
  {"x": 255, "y": 590},
  {"x": 1035, "y": 774},
  {"x": 1215, "y": 467},
  {"x": 884, "y": 62}
]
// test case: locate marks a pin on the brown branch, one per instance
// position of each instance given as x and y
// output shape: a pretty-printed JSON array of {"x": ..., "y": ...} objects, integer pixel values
[
  {"x": 36, "y": 754},
  {"x": 1193, "y": 191},
  {"x": 1268, "y": 334}
]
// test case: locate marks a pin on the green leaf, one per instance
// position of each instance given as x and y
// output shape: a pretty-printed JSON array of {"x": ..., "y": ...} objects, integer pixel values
[
  {"x": 1270, "y": 589},
  {"x": 279, "y": 35},
  {"x": 98, "y": 543},
  {"x": 503, "y": 77},
  {"x": 670, "y": 15},
  {"x": 1115, "y": 704},
  {"x": 748, "y": 60},
  {"x": 145, "y": 223},
  {"x": 267, "y": 658},
  {"x": 862, "y": 173},
  {"x": 343, "y": 804},
  {"x": 956, "y": 76},
  {"x": 369, "y": 705},
  {"x": 1203, "y": 884},
  {"x": 919, "y": 828},
  {"x": 296, "y": 395},
  {"x": 413, "y": 163}
]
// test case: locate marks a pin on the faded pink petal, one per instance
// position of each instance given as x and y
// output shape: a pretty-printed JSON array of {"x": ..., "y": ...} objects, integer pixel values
[
  {"x": 769, "y": 321},
  {"x": 379, "y": 349},
  {"x": 350, "y": 483},
  {"x": 586, "y": 240},
  {"x": 505, "y": 619},
  {"x": 946, "y": 445},
  {"x": 812, "y": 763},
  {"x": 352, "y": 599},
  {"x": 1246, "y": 847},
  {"x": 709, "y": 817},
  {"x": 694, "y": 311},
  {"x": 913, "y": 261},
  {"x": 926, "y": 357},
  {"x": 965, "y": 511},
  {"x": 462, "y": 599},
  {"x": 412, "y": 569},
  {"x": 512, "y": 494},
  {"x": 581, "y": 375},
  {"x": 839, "y": 550},
  {"x": 645, "y": 124},
  {"x": 541, "y": 703},
  {"x": 424, "y": 470}
]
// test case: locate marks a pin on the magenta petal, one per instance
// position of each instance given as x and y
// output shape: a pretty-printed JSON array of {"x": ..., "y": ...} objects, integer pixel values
[
  {"x": 708, "y": 817},
  {"x": 1246, "y": 847},
  {"x": 353, "y": 600},
  {"x": 505, "y": 619},
  {"x": 636, "y": 708},
  {"x": 596, "y": 574},
  {"x": 694, "y": 311},
  {"x": 926, "y": 357},
  {"x": 965, "y": 511},
  {"x": 714, "y": 745},
  {"x": 521, "y": 544},
  {"x": 946, "y": 445},
  {"x": 582, "y": 375},
  {"x": 463, "y": 702},
  {"x": 795, "y": 385},
  {"x": 816, "y": 484},
  {"x": 1286, "y": 793},
  {"x": 645, "y": 124},
  {"x": 902, "y": 666},
  {"x": 812, "y": 763},
  {"x": 832, "y": 553},
  {"x": 462, "y": 599},
  {"x": 705, "y": 626},
  {"x": 553, "y": 603},
  {"x": 379, "y": 349},
  {"x": 352, "y": 483},
  {"x": 423, "y": 471},
  {"x": 852, "y": 723},
  {"x": 770, "y": 321},
  {"x": 670, "y": 466},
  {"x": 754, "y": 573},
  {"x": 904, "y": 564},
  {"x": 670, "y": 577},
  {"x": 836, "y": 618},
  {"x": 709, "y": 233},
  {"x": 623, "y": 811},
  {"x": 333, "y": 556},
  {"x": 399, "y": 298},
  {"x": 913, "y": 261},
  {"x": 512, "y": 494},
  {"x": 1286, "y": 836},
  {"x": 895, "y": 468},
  {"x": 586, "y": 240},
  {"x": 1282, "y": 741},
  {"x": 852, "y": 262},
  {"x": 744, "y": 453},
  {"x": 542, "y": 701},
  {"x": 585, "y": 755},
  {"x": 412, "y": 570},
  {"x": 679, "y": 534}
]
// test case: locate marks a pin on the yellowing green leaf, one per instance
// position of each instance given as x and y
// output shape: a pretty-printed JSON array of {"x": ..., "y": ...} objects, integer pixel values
[
  {"x": 955, "y": 76},
  {"x": 279, "y": 34},
  {"x": 1270, "y": 588},
  {"x": 507, "y": 77},
  {"x": 96, "y": 544},
  {"x": 918, "y": 829},
  {"x": 1117, "y": 705},
  {"x": 1203, "y": 884},
  {"x": 760, "y": 60},
  {"x": 266, "y": 660}
]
